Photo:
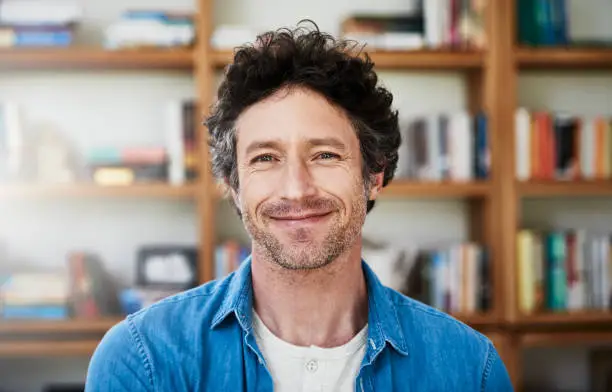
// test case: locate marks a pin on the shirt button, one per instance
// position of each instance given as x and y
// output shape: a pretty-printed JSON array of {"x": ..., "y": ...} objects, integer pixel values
[{"x": 312, "y": 365}]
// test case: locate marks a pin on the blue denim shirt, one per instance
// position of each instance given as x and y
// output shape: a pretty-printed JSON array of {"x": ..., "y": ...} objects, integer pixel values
[{"x": 202, "y": 340}]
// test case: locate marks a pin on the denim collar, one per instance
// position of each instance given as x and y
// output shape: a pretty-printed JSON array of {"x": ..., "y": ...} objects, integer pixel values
[{"x": 383, "y": 322}]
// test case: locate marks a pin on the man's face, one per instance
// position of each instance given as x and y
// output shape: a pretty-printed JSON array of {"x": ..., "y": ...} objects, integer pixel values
[{"x": 301, "y": 190}]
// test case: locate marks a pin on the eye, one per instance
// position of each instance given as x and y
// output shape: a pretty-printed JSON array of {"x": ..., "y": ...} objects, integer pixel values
[
  {"x": 327, "y": 155},
  {"x": 263, "y": 158}
]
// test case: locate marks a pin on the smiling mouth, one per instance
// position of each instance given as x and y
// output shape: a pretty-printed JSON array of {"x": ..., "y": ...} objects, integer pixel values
[{"x": 301, "y": 219}]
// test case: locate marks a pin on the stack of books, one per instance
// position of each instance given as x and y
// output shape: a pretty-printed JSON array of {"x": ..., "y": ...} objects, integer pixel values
[
  {"x": 454, "y": 279},
  {"x": 559, "y": 146},
  {"x": 38, "y": 23},
  {"x": 563, "y": 271},
  {"x": 228, "y": 257},
  {"x": 35, "y": 296},
  {"x": 126, "y": 166},
  {"x": 430, "y": 24},
  {"x": 444, "y": 147},
  {"x": 151, "y": 28}
]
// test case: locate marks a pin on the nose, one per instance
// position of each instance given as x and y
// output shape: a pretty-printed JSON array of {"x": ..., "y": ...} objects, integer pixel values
[{"x": 297, "y": 182}]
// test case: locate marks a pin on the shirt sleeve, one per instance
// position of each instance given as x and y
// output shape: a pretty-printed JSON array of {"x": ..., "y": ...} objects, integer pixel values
[
  {"x": 119, "y": 363},
  {"x": 495, "y": 377}
]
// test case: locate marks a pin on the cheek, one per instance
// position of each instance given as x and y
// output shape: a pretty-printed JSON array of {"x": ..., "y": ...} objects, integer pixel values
[
  {"x": 340, "y": 182},
  {"x": 254, "y": 189}
]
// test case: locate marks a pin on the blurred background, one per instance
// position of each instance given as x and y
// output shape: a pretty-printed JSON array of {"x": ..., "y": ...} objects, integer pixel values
[{"x": 500, "y": 213}]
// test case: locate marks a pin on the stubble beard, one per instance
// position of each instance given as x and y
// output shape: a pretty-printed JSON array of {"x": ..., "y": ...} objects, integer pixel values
[{"x": 307, "y": 254}]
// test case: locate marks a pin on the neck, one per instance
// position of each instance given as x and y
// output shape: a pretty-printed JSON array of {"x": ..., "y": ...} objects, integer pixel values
[{"x": 325, "y": 307}]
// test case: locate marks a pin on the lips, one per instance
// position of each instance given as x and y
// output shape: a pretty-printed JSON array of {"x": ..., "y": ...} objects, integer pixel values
[{"x": 299, "y": 217}]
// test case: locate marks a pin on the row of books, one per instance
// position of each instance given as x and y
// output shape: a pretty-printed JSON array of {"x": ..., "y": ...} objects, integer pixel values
[
  {"x": 563, "y": 270},
  {"x": 151, "y": 28},
  {"x": 176, "y": 162},
  {"x": 48, "y": 157},
  {"x": 82, "y": 290},
  {"x": 228, "y": 257},
  {"x": 454, "y": 279},
  {"x": 432, "y": 23},
  {"x": 562, "y": 147},
  {"x": 38, "y": 23},
  {"x": 441, "y": 147}
]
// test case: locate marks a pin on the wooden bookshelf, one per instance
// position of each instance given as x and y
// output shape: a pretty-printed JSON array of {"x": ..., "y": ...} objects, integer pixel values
[
  {"x": 478, "y": 320},
  {"x": 57, "y": 327},
  {"x": 563, "y": 58},
  {"x": 95, "y": 58},
  {"x": 92, "y": 190},
  {"x": 415, "y": 189},
  {"x": 566, "y": 320},
  {"x": 557, "y": 339},
  {"x": 421, "y": 59},
  {"x": 47, "y": 348},
  {"x": 564, "y": 188}
]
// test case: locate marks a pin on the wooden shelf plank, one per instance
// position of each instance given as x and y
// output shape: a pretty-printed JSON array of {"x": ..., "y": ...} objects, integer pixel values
[
  {"x": 564, "y": 188},
  {"x": 92, "y": 190},
  {"x": 567, "y": 319},
  {"x": 477, "y": 320},
  {"x": 58, "y": 327},
  {"x": 422, "y": 59},
  {"x": 403, "y": 188},
  {"x": 47, "y": 348},
  {"x": 556, "y": 339},
  {"x": 95, "y": 58},
  {"x": 570, "y": 58}
]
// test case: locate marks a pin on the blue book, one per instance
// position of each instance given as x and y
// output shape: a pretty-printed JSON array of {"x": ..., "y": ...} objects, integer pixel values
[
  {"x": 481, "y": 147},
  {"x": 556, "y": 282},
  {"x": 43, "y": 38},
  {"x": 34, "y": 312},
  {"x": 560, "y": 22}
]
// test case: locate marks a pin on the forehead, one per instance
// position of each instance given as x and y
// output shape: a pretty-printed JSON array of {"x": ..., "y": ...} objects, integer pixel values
[{"x": 293, "y": 115}]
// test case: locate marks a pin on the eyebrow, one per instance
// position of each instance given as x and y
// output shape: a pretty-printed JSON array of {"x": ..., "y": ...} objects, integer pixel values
[
  {"x": 327, "y": 141},
  {"x": 314, "y": 142},
  {"x": 272, "y": 144}
]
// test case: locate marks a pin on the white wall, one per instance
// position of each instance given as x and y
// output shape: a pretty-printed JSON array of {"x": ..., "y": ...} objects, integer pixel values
[{"x": 100, "y": 107}]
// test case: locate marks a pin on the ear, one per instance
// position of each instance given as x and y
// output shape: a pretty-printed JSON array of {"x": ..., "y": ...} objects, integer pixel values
[{"x": 376, "y": 185}]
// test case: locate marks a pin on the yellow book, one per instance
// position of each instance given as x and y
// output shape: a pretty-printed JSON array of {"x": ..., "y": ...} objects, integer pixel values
[{"x": 526, "y": 287}]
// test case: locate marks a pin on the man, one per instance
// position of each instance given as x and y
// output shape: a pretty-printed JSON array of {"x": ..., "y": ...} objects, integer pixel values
[{"x": 305, "y": 139}]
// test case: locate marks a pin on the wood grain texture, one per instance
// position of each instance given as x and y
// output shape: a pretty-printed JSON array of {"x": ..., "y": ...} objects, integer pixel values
[
  {"x": 161, "y": 190},
  {"x": 394, "y": 60},
  {"x": 564, "y": 58},
  {"x": 88, "y": 58},
  {"x": 48, "y": 348},
  {"x": 564, "y": 188}
]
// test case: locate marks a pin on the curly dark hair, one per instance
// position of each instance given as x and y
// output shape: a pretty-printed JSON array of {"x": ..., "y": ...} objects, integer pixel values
[{"x": 315, "y": 60}]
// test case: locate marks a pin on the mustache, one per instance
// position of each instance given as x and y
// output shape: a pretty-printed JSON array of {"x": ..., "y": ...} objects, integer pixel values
[{"x": 284, "y": 208}]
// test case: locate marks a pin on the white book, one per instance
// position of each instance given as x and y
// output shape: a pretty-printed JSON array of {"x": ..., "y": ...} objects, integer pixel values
[
  {"x": 434, "y": 23},
  {"x": 575, "y": 287},
  {"x": 175, "y": 142},
  {"x": 587, "y": 149},
  {"x": 461, "y": 146},
  {"x": 473, "y": 281},
  {"x": 522, "y": 121}
]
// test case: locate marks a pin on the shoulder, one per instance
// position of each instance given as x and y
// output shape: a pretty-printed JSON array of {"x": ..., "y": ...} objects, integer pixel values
[{"x": 423, "y": 322}]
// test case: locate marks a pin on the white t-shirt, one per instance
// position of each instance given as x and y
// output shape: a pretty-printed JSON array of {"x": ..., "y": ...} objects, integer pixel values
[{"x": 310, "y": 369}]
